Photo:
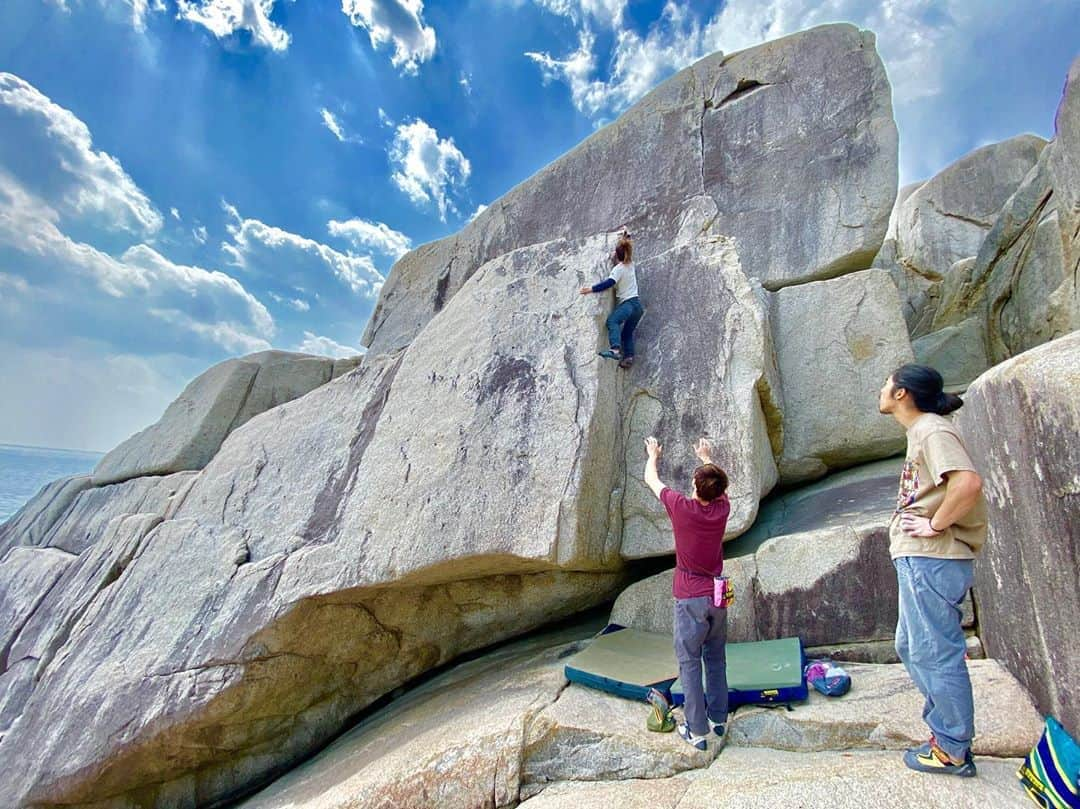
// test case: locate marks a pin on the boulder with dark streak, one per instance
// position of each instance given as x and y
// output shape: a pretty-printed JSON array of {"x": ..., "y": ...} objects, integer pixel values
[
  {"x": 335, "y": 547},
  {"x": 793, "y": 142},
  {"x": 1023, "y": 284},
  {"x": 1021, "y": 422}
]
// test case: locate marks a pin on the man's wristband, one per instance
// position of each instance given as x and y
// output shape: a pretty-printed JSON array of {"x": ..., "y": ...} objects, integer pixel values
[{"x": 930, "y": 522}]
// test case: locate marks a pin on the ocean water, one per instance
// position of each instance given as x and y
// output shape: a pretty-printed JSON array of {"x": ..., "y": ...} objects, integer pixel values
[{"x": 24, "y": 470}]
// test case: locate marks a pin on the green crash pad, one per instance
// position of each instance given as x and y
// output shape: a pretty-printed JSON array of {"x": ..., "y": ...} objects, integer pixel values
[
  {"x": 761, "y": 671},
  {"x": 627, "y": 662}
]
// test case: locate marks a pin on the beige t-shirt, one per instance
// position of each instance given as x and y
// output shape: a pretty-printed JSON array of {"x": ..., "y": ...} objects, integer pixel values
[{"x": 933, "y": 450}]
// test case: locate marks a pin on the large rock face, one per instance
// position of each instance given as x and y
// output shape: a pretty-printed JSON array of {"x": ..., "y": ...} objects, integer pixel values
[
  {"x": 33, "y": 521},
  {"x": 319, "y": 560},
  {"x": 211, "y": 406},
  {"x": 1021, "y": 421},
  {"x": 852, "y": 327},
  {"x": 945, "y": 219},
  {"x": 86, "y": 520},
  {"x": 808, "y": 118},
  {"x": 958, "y": 352},
  {"x": 1023, "y": 284},
  {"x": 507, "y": 377},
  {"x": 700, "y": 374},
  {"x": 54, "y": 611}
]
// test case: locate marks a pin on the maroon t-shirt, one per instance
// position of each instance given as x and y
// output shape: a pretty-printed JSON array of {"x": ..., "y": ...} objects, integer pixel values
[{"x": 699, "y": 541}]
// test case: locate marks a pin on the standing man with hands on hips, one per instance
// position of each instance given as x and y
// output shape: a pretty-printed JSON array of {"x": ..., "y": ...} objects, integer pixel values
[
  {"x": 698, "y": 523},
  {"x": 938, "y": 527}
]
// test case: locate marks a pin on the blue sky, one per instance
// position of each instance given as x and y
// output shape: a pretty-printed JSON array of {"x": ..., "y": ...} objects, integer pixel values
[{"x": 187, "y": 180}]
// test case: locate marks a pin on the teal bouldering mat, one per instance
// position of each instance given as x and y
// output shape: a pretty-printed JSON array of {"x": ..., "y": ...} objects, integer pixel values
[
  {"x": 761, "y": 672},
  {"x": 626, "y": 662}
]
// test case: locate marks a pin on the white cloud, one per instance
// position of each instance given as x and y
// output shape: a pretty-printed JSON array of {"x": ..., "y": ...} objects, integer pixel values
[
  {"x": 116, "y": 393},
  {"x": 141, "y": 275},
  {"x": 95, "y": 184},
  {"x": 466, "y": 82},
  {"x": 324, "y": 346},
  {"x": 399, "y": 22},
  {"x": 140, "y": 9},
  {"x": 385, "y": 119},
  {"x": 229, "y": 336},
  {"x": 298, "y": 304},
  {"x": 175, "y": 214},
  {"x": 331, "y": 122},
  {"x": 225, "y": 17},
  {"x": 13, "y": 282},
  {"x": 28, "y": 224},
  {"x": 199, "y": 234},
  {"x": 636, "y": 64},
  {"x": 576, "y": 69},
  {"x": 255, "y": 243},
  {"x": 606, "y": 12},
  {"x": 235, "y": 309},
  {"x": 426, "y": 167},
  {"x": 913, "y": 37},
  {"x": 95, "y": 193},
  {"x": 66, "y": 305},
  {"x": 375, "y": 235},
  {"x": 479, "y": 210}
]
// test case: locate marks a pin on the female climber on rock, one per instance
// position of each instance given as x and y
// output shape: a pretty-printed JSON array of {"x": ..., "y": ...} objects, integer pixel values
[{"x": 628, "y": 310}]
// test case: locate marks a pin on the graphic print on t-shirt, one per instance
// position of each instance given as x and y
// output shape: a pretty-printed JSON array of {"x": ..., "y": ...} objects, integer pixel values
[{"x": 909, "y": 485}]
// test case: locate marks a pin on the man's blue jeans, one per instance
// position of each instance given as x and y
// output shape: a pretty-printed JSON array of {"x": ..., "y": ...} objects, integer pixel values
[
  {"x": 701, "y": 631},
  {"x": 621, "y": 324},
  {"x": 930, "y": 642}
]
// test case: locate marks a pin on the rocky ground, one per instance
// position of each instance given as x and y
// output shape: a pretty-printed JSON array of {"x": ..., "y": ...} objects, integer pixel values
[{"x": 508, "y": 727}]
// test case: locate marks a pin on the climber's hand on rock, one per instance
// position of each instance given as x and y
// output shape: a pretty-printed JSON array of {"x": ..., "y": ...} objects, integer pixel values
[
  {"x": 652, "y": 447},
  {"x": 703, "y": 450},
  {"x": 585, "y": 290}
]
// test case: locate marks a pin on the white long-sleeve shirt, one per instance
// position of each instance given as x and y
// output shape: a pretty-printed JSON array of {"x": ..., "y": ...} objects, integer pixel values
[{"x": 625, "y": 278}]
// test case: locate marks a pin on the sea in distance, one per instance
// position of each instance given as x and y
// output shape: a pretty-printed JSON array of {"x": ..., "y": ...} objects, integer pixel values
[{"x": 24, "y": 470}]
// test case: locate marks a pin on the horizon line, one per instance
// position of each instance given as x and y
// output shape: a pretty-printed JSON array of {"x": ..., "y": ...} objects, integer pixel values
[{"x": 54, "y": 449}]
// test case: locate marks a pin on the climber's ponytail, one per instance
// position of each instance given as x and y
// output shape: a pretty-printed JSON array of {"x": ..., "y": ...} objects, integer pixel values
[{"x": 927, "y": 389}]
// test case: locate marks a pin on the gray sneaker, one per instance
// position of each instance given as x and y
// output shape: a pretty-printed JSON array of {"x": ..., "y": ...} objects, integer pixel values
[{"x": 697, "y": 742}]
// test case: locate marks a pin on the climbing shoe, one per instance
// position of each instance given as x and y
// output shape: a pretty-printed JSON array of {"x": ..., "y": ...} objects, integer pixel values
[
  {"x": 717, "y": 727},
  {"x": 611, "y": 354},
  {"x": 697, "y": 742},
  {"x": 626, "y": 362},
  {"x": 935, "y": 760}
]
